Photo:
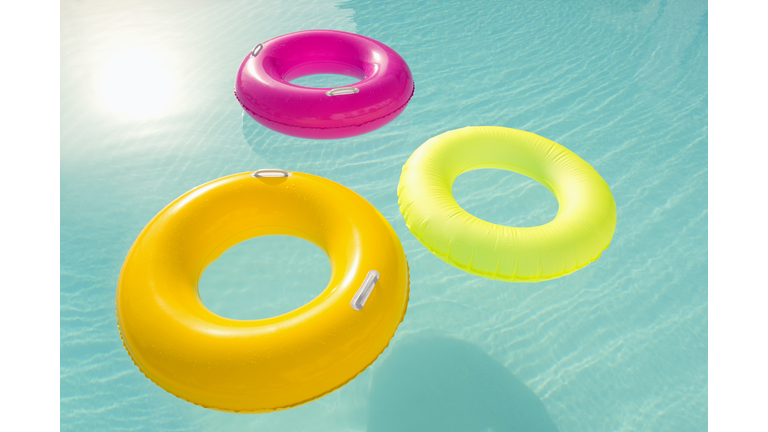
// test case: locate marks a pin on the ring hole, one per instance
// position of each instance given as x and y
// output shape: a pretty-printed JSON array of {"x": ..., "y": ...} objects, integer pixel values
[
  {"x": 325, "y": 81},
  {"x": 264, "y": 277},
  {"x": 505, "y": 198}
]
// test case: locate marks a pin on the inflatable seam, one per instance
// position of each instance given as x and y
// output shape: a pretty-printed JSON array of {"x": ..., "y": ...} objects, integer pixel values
[
  {"x": 495, "y": 275},
  {"x": 413, "y": 90},
  {"x": 402, "y": 317}
]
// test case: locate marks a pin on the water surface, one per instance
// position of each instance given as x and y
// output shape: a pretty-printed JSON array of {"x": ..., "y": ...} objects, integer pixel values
[{"x": 621, "y": 345}]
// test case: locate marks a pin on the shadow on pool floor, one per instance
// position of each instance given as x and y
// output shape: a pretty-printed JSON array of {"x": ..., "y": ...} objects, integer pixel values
[{"x": 431, "y": 382}]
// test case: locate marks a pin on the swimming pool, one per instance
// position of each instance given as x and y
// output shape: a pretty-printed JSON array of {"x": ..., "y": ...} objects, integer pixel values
[{"x": 148, "y": 113}]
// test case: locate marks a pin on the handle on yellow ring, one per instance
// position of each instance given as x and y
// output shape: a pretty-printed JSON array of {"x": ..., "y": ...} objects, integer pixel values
[
  {"x": 362, "y": 294},
  {"x": 271, "y": 172}
]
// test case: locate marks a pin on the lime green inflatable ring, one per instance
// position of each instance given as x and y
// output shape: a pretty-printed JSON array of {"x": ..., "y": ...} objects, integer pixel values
[{"x": 581, "y": 230}]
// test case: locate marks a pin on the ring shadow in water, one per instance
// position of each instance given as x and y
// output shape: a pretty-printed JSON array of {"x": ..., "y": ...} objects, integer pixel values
[
  {"x": 431, "y": 382},
  {"x": 298, "y": 154}
]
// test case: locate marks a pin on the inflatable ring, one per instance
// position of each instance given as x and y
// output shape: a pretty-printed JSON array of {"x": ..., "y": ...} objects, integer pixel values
[
  {"x": 262, "y": 85},
  {"x": 580, "y": 231},
  {"x": 267, "y": 364}
]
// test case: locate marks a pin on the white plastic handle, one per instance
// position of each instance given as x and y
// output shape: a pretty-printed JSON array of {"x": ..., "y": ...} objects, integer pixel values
[
  {"x": 271, "y": 172},
  {"x": 342, "y": 91},
  {"x": 362, "y": 294}
]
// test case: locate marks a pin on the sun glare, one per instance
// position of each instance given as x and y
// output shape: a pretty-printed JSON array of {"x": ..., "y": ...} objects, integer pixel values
[{"x": 137, "y": 83}]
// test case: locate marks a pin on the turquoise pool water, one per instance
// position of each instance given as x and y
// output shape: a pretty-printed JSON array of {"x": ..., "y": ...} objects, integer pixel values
[{"x": 621, "y": 345}]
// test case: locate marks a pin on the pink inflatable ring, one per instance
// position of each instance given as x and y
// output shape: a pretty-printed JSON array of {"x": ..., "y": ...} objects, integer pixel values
[{"x": 263, "y": 88}]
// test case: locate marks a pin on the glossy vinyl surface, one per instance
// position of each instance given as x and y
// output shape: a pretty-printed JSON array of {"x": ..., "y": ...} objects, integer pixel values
[
  {"x": 262, "y": 85},
  {"x": 267, "y": 364},
  {"x": 582, "y": 229},
  {"x": 619, "y": 345}
]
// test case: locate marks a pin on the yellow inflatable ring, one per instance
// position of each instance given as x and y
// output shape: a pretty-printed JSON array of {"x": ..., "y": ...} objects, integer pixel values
[
  {"x": 580, "y": 231},
  {"x": 267, "y": 364}
]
